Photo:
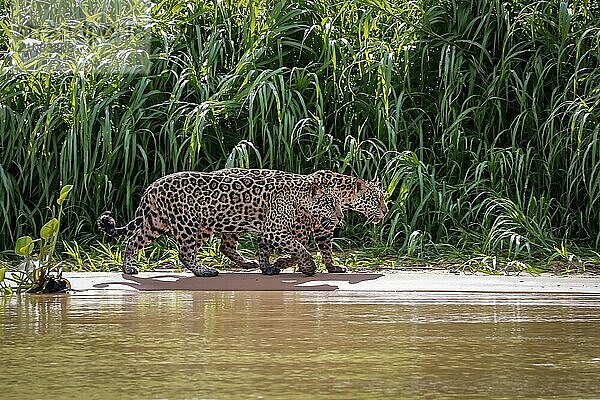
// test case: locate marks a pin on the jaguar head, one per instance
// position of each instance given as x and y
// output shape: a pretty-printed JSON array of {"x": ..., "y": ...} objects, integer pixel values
[
  {"x": 325, "y": 207},
  {"x": 368, "y": 199}
]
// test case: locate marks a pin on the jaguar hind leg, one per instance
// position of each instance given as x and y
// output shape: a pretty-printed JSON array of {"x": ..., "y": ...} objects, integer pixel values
[
  {"x": 149, "y": 226},
  {"x": 134, "y": 244},
  {"x": 140, "y": 238},
  {"x": 188, "y": 245}
]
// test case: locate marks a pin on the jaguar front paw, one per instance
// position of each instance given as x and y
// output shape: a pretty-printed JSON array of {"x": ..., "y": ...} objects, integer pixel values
[
  {"x": 205, "y": 272},
  {"x": 308, "y": 271},
  {"x": 334, "y": 269},
  {"x": 284, "y": 262},
  {"x": 271, "y": 271},
  {"x": 249, "y": 264}
]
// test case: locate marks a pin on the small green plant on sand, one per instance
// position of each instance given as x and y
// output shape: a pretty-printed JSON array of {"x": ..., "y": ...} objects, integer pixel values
[
  {"x": 4, "y": 287},
  {"x": 40, "y": 272}
]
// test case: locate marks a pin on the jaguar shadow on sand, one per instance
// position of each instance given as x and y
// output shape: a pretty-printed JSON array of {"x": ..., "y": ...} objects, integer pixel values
[{"x": 243, "y": 281}]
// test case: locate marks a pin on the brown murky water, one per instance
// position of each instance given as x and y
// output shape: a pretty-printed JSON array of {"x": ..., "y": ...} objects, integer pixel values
[{"x": 299, "y": 345}]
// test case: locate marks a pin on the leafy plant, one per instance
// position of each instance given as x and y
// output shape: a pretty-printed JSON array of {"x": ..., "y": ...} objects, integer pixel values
[{"x": 40, "y": 272}]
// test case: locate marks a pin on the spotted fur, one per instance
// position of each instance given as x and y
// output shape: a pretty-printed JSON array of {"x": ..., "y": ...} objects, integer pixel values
[
  {"x": 351, "y": 193},
  {"x": 192, "y": 206}
]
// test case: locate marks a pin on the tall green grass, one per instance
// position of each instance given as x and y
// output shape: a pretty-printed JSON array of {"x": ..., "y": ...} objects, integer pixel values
[{"x": 481, "y": 118}]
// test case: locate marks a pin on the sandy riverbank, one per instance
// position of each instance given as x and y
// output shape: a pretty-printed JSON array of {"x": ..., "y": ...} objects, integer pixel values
[{"x": 403, "y": 281}]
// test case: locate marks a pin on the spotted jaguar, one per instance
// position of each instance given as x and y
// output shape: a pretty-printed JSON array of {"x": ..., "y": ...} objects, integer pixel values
[
  {"x": 192, "y": 206},
  {"x": 351, "y": 193}
]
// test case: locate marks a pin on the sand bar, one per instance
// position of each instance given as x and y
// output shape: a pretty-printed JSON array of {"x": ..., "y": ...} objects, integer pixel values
[{"x": 402, "y": 281}]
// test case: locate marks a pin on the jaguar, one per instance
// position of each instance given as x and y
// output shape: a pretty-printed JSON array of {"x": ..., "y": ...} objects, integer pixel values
[
  {"x": 193, "y": 206},
  {"x": 352, "y": 193}
]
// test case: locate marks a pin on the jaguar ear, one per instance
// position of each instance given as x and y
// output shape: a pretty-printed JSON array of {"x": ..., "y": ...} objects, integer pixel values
[
  {"x": 315, "y": 190},
  {"x": 360, "y": 185}
]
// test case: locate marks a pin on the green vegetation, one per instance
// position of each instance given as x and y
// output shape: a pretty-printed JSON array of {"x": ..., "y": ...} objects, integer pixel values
[
  {"x": 481, "y": 118},
  {"x": 40, "y": 273}
]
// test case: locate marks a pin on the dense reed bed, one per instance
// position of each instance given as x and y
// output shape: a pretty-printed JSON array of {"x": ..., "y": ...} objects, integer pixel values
[{"x": 481, "y": 118}]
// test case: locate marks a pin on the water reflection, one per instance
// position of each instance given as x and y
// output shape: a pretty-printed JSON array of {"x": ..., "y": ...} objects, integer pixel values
[{"x": 299, "y": 345}]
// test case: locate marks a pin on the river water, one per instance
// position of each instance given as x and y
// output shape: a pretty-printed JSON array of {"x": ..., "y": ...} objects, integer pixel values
[{"x": 299, "y": 345}]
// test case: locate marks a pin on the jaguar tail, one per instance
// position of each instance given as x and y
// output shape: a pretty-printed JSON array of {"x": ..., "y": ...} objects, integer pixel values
[{"x": 107, "y": 224}]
